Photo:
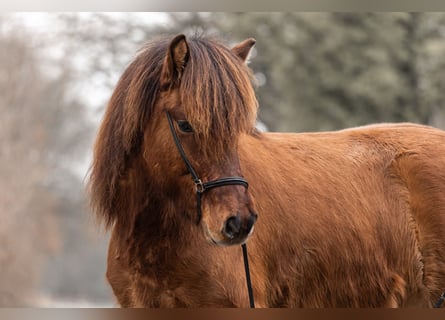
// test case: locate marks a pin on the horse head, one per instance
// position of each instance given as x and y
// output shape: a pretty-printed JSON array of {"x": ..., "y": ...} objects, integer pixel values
[{"x": 198, "y": 116}]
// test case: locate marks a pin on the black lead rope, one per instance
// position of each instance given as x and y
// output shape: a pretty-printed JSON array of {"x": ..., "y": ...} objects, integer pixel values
[
  {"x": 249, "y": 283},
  {"x": 201, "y": 187}
]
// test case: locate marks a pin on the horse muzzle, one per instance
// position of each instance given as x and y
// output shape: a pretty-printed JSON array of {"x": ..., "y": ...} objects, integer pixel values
[{"x": 236, "y": 230}]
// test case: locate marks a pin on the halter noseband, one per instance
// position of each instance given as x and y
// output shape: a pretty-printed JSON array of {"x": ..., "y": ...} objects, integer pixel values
[{"x": 202, "y": 187}]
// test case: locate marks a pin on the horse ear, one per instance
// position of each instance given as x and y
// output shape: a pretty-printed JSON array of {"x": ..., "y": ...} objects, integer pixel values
[
  {"x": 242, "y": 49},
  {"x": 175, "y": 61}
]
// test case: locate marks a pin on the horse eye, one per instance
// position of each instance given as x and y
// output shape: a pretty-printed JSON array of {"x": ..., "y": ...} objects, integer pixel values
[{"x": 185, "y": 126}]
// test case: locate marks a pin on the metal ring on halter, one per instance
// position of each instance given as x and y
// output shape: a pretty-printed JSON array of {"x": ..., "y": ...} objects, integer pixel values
[{"x": 200, "y": 188}]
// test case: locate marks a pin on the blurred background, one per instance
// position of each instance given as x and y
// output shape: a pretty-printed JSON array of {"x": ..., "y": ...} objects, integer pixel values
[{"x": 314, "y": 71}]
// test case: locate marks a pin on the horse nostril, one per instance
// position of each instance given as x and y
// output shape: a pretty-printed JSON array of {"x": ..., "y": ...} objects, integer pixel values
[
  {"x": 250, "y": 222},
  {"x": 232, "y": 227}
]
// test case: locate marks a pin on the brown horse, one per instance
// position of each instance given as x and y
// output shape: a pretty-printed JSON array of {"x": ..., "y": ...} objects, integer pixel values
[{"x": 354, "y": 218}]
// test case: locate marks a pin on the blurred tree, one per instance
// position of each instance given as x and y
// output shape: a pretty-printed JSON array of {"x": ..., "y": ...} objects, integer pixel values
[
  {"x": 27, "y": 231},
  {"x": 431, "y": 66},
  {"x": 99, "y": 46},
  {"x": 46, "y": 80},
  {"x": 41, "y": 135},
  {"x": 330, "y": 71}
]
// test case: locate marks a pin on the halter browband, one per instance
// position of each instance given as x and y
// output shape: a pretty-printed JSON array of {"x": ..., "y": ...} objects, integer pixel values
[{"x": 201, "y": 187}]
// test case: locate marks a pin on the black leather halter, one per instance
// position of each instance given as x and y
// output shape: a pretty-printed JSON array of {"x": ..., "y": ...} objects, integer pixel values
[{"x": 202, "y": 187}]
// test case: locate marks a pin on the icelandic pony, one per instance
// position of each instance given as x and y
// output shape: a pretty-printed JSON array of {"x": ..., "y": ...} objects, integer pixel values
[{"x": 354, "y": 218}]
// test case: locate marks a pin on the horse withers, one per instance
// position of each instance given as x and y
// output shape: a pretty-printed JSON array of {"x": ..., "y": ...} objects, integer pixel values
[{"x": 354, "y": 218}]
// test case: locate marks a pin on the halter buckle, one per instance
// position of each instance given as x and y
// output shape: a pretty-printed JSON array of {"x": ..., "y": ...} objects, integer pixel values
[{"x": 200, "y": 188}]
